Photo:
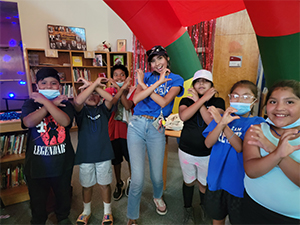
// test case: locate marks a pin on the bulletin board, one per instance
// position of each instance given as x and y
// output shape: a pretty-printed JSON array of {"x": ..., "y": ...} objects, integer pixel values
[{"x": 65, "y": 37}]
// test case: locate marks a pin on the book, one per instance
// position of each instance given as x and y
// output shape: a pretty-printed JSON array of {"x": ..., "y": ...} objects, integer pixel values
[
  {"x": 77, "y": 60},
  {"x": 118, "y": 59},
  {"x": 21, "y": 143}
]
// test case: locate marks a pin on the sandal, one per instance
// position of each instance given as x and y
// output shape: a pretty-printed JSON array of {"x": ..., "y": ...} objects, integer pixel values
[
  {"x": 107, "y": 219},
  {"x": 83, "y": 219},
  {"x": 132, "y": 222}
]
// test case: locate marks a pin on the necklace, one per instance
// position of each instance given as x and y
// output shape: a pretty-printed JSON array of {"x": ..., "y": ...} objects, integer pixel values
[
  {"x": 273, "y": 130},
  {"x": 276, "y": 131}
]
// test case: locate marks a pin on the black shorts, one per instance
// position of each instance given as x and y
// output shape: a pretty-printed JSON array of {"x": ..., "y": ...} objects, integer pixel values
[
  {"x": 120, "y": 149},
  {"x": 254, "y": 213},
  {"x": 218, "y": 204}
]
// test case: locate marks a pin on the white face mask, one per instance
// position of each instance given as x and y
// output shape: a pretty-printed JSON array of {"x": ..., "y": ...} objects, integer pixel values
[
  {"x": 49, "y": 93},
  {"x": 120, "y": 84}
]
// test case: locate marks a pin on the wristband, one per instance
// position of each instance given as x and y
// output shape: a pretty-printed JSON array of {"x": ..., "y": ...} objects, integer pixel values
[{"x": 230, "y": 137}]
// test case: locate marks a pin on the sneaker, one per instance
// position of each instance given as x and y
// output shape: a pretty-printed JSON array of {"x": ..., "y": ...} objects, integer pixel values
[
  {"x": 128, "y": 186},
  {"x": 119, "y": 191},
  {"x": 107, "y": 219},
  {"x": 188, "y": 218},
  {"x": 161, "y": 207},
  {"x": 83, "y": 219}
]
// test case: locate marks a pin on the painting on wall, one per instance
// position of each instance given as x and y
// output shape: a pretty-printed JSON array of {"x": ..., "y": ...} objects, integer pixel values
[{"x": 65, "y": 37}]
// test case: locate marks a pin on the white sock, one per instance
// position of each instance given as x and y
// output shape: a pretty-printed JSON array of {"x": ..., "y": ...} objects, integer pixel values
[
  {"x": 86, "y": 208},
  {"x": 107, "y": 208}
]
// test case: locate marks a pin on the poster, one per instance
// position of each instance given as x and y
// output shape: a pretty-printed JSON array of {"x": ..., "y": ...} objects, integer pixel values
[{"x": 65, "y": 37}]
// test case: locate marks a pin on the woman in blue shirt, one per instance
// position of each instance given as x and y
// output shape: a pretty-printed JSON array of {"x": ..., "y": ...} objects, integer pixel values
[{"x": 154, "y": 99}]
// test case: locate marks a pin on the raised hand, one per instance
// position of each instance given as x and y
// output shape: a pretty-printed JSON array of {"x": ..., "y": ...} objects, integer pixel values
[
  {"x": 86, "y": 83},
  {"x": 284, "y": 148},
  {"x": 209, "y": 94},
  {"x": 126, "y": 83},
  {"x": 57, "y": 101},
  {"x": 214, "y": 112},
  {"x": 194, "y": 94},
  {"x": 227, "y": 117},
  {"x": 101, "y": 81},
  {"x": 259, "y": 139},
  {"x": 140, "y": 76},
  {"x": 113, "y": 83},
  {"x": 38, "y": 97}
]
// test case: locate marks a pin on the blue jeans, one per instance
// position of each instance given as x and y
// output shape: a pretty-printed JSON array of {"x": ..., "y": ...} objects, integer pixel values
[{"x": 141, "y": 134}]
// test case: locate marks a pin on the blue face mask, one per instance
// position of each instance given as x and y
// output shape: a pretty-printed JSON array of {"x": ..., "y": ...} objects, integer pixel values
[
  {"x": 241, "y": 107},
  {"x": 295, "y": 124},
  {"x": 120, "y": 84},
  {"x": 49, "y": 93}
]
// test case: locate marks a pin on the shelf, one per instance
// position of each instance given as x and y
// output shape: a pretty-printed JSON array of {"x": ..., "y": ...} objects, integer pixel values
[
  {"x": 54, "y": 66},
  {"x": 14, "y": 195},
  {"x": 10, "y": 126},
  {"x": 12, "y": 158}
]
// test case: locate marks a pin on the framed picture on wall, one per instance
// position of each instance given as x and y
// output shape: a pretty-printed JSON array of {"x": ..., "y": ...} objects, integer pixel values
[
  {"x": 121, "y": 45},
  {"x": 65, "y": 37}
]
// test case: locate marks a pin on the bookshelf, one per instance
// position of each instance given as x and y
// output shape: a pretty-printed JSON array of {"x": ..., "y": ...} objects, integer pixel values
[
  {"x": 17, "y": 191},
  {"x": 71, "y": 65}
]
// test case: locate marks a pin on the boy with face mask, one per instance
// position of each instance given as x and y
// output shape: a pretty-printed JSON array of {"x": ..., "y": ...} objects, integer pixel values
[
  {"x": 117, "y": 125},
  {"x": 49, "y": 153}
]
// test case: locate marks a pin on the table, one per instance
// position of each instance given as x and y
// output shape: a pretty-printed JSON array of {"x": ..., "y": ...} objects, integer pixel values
[
  {"x": 14, "y": 99},
  {"x": 168, "y": 133}
]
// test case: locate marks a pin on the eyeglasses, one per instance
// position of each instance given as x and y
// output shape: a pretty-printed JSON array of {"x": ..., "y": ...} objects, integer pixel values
[{"x": 237, "y": 97}]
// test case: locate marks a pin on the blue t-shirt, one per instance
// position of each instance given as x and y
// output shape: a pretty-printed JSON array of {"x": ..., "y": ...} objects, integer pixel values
[
  {"x": 93, "y": 140},
  {"x": 226, "y": 169},
  {"x": 149, "y": 107}
]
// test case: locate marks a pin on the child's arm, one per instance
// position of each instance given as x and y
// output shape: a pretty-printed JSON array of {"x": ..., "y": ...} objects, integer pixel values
[
  {"x": 34, "y": 118},
  {"x": 185, "y": 113},
  {"x": 83, "y": 96},
  {"x": 122, "y": 92},
  {"x": 143, "y": 91},
  {"x": 257, "y": 166},
  {"x": 212, "y": 137}
]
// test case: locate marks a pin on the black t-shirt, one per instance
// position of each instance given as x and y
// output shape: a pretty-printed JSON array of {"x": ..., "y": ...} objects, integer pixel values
[
  {"x": 49, "y": 151},
  {"x": 191, "y": 139},
  {"x": 93, "y": 140}
]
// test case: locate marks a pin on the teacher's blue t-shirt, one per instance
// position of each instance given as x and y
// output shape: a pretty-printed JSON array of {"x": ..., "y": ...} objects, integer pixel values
[{"x": 150, "y": 107}]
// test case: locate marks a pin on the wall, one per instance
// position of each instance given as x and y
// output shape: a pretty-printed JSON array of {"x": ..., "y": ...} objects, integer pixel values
[
  {"x": 99, "y": 21},
  {"x": 235, "y": 36}
]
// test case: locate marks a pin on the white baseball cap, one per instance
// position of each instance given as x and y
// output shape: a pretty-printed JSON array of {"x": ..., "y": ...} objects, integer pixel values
[{"x": 203, "y": 74}]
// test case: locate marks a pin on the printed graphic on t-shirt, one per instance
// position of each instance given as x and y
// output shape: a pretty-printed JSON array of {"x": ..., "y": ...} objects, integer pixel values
[
  {"x": 53, "y": 135},
  {"x": 162, "y": 90},
  {"x": 236, "y": 130}
]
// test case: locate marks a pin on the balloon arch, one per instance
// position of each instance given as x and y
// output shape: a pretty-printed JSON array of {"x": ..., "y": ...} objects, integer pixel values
[{"x": 276, "y": 24}]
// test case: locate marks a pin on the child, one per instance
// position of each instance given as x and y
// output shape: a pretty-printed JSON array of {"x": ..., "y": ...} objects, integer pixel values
[
  {"x": 117, "y": 128},
  {"x": 94, "y": 150},
  {"x": 272, "y": 159},
  {"x": 49, "y": 153},
  {"x": 225, "y": 170},
  {"x": 154, "y": 100},
  {"x": 192, "y": 152}
]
